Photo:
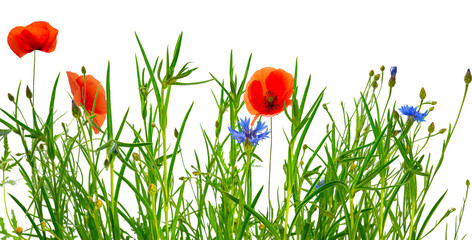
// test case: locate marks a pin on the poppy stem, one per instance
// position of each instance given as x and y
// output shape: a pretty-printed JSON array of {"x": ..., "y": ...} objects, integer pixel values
[
  {"x": 34, "y": 74},
  {"x": 270, "y": 170}
]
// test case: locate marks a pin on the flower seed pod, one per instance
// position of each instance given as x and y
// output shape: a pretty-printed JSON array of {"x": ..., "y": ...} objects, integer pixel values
[
  {"x": 431, "y": 128},
  {"x": 422, "y": 94},
  {"x": 10, "y": 97},
  {"x": 29, "y": 94}
]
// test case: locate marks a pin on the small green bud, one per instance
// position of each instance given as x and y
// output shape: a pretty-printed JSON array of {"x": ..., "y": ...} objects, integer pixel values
[
  {"x": 10, "y": 97},
  {"x": 196, "y": 173},
  {"x": 396, "y": 115},
  {"x": 29, "y": 94},
  {"x": 217, "y": 124},
  {"x": 374, "y": 85},
  {"x": 43, "y": 225},
  {"x": 431, "y": 128},
  {"x": 176, "y": 133},
  {"x": 371, "y": 73},
  {"x": 261, "y": 226},
  {"x": 182, "y": 178},
  {"x": 136, "y": 157},
  {"x": 434, "y": 103},
  {"x": 325, "y": 106},
  {"x": 352, "y": 168},
  {"x": 442, "y": 130},
  {"x": 430, "y": 109},
  {"x": 301, "y": 163},
  {"x": 106, "y": 163},
  {"x": 84, "y": 71},
  {"x": 382, "y": 68},
  {"x": 467, "y": 182},
  {"x": 377, "y": 77},
  {"x": 396, "y": 132},
  {"x": 467, "y": 77},
  {"x": 76, "y": 112},
  {"x": 422, "y": 94},
  {"x": 152, "y": 189},
  {"x": 19, "y": 230},
  {"x": 153, "y": 125},
  {"x": 305, "y": 147}
]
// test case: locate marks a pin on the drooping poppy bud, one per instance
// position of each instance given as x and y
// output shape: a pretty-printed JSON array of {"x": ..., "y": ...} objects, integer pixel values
[
  {"x": 11, "y": 97},
  {"x": 29, "y": 94},
  {"x": 76, "y": 112}
]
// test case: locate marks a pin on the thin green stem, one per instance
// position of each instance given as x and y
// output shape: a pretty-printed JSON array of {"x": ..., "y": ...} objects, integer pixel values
[
  {"x": 270, "y": 171},
  {"x": 34, "y": 74}
]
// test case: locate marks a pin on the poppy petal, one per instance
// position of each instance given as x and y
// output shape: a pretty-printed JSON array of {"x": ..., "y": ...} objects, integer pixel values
[
  {"x": 46, "y": 35},
  {"x": 280, "y": 83},
  {"x": 17, "y": 43},
  {"x": 261, "y": 75},
  {"x": 255, "y": 97},
  {"x": 74, "y": 87}
]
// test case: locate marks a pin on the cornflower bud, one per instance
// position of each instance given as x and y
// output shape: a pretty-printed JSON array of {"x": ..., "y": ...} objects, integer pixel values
[
  {"x": 371, "y": 73},
  {"x": 377, "y": 77},
  {"x": 442, "y": 130},
  {"x": 374, "y": 84},
  {"x": 434, "y": 103},
  {"x": 76, "y": 112},
  {"x": 29, "y": 94},
  {"x": 382, "y": 68},
  {"x": 431, "y": 128},
  {"x": 467, "y": 182},
  {"x": 467, "y": 77},
  {"x": 430, "y": 109},
  {"x": 391, "y": 82},
  {"x": 422, "y": 94},
  {"x": 152, "y": 189},
  {"x": 396, "y": 115},
  {"x": 10, "y": 97},
  {"x": 19, "y": 230}
]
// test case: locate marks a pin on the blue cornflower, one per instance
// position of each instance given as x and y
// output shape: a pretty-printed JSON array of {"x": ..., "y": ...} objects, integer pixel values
[
  {"x": 411, "y": 111},
  {"x": 319, "y": 184},
  {"x": 393, "y": 71},
  {"x": 248, "y": 134}
]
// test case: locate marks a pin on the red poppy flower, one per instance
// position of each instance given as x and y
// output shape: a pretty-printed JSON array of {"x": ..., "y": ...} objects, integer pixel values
[
  {"x": 36, "y": 36},
  {"x": 267, "y": 91},
  {"x": 84, "y": 93}
]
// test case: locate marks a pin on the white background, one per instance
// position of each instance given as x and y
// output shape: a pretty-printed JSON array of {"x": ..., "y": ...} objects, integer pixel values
[{"x": 338, "y": 43}]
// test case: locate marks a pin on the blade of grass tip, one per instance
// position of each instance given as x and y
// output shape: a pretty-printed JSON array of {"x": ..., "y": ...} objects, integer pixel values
[
  {"x": 50, "y": 123},
  {"x": 247, "y": 217},
  {"x": 177, "y": 144},
  {"x": 176, "y": 51},
  {"x": 150, "y": 71},
  {"x": 109, "y": 116},
  {"x": 243, "y": 83},
  {"x": 51, "y": 211},
  {"x": 426, "y": 220},
  {"x": 305, "y": 94},
  {"x": 35, "y": 227},
  {"x": 371, "y": 120}
]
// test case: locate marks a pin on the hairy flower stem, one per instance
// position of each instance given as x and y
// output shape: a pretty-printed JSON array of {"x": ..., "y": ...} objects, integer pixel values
[{"x": 270, "y": 171}]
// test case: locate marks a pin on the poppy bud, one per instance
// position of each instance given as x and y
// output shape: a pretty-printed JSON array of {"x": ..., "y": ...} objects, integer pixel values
[
  {"x": 76, "y": 112},
  {"x": 29, "y": 94},
  {"x": 152, "y": 189},
  {"x": 467, "y": 77},
  {"x": 10, "y": 97},
  {"x": 431, "y": 128},
  {"x": 467, "y": 182},
  {"x": 376, "y": 77},
  {"x": 176, "y": 133},
  {"x": 371, "y": 73},
  {"x": 98, "y": 204},
  {"x": 442, "y": 130},
  {"x": 434, "y": 103},
  {"x": 84, "y": 71},
  {"x": 19, "y": 230},
  {"x": 422, "y": 94},
  {"x": 382, "y": 68}
]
